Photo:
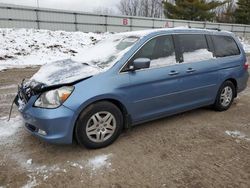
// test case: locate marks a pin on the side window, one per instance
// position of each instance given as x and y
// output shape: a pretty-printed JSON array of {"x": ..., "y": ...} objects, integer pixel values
[
  {"x": 194, "y": 48},
  {"x": 159, "y": 50},
  {"x": 147, "y": 51},
  {"x": 225, "y": 46}
]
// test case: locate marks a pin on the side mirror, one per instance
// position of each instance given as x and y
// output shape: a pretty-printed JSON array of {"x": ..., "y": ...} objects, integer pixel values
[{"x": 140, "y": 63}]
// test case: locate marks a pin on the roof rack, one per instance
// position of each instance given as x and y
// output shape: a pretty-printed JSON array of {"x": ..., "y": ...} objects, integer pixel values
[{"x": 217, "y": 29}]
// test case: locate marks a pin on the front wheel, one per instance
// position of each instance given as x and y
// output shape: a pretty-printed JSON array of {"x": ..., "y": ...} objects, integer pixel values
[
  {"x": 225, "y": 96},
  {"x": 99, "y": 125}
]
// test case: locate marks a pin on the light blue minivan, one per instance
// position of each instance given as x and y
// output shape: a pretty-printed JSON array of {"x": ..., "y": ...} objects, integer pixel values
[{"x": 130, "y": 78}]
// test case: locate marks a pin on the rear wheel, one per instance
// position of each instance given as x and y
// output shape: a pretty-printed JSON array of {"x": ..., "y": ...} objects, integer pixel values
[
  {"x": 225, "y": 96},
  {"x": 99, "y": 125}
]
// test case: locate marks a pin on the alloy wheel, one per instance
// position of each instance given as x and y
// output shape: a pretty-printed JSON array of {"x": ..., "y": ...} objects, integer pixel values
[
  {"x": 226, "y": 96},
  {"x": 101, "y": 126}
]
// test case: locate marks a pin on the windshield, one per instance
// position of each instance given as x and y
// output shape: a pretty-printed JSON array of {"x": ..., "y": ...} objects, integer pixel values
[{"x": 107, "y": 52}]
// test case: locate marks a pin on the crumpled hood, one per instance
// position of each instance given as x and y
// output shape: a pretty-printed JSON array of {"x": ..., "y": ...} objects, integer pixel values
[{"x": 63, "y": 72}]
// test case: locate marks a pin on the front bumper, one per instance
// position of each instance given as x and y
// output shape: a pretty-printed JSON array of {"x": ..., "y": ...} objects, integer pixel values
[{"x": 57, "y": 123}]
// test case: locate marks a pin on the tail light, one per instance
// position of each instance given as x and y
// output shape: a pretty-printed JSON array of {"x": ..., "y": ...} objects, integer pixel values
[{"x": 246, "y": 65}]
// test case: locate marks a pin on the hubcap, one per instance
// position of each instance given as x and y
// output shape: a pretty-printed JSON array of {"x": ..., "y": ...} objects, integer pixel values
[
  {"x": 101, "y": 126},
  {"x": 226, "y": 96}
]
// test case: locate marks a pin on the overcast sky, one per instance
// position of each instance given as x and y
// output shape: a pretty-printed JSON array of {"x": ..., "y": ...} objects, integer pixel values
[{"x": 78, "y": 5}]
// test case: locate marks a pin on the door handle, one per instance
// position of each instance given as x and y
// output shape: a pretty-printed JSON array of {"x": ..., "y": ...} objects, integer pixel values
[
  {"x": 190, "y": 70},
  {"x": 173, "y": 72}
]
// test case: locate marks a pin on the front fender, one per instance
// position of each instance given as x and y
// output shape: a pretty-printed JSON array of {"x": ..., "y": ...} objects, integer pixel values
[{"x": 107, "y": 97}]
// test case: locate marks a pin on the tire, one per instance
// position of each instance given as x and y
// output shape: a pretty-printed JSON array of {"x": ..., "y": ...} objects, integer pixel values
[
  {"x": 99, "y": 125},
  {"x": 225, "y": 96}
]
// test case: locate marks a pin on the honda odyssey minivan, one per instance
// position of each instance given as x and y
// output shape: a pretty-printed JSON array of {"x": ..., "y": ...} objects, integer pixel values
[{"x": 130, "y": 78}]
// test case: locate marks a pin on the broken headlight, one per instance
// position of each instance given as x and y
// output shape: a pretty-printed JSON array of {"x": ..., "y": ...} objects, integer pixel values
[{"x": 54, "y": 98}]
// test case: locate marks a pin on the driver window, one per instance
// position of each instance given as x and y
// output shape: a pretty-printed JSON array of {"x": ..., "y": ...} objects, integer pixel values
[
  {"x": 147, "y": 51},
  {"x": 159, "y": 50}
]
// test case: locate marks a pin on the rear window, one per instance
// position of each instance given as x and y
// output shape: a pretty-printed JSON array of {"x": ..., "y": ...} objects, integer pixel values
[{"x": 225, "y": 46}]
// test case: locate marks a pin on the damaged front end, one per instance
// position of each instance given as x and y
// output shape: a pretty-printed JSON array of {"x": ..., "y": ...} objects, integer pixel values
[
  {"x": 31, "y": 88},
  {"x": 44, "y": 118},
  {"x": 24, "y": 93},
  {"x": 62, "y": 73}
]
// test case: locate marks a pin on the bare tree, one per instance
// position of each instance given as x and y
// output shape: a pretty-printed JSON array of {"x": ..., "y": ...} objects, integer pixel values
[
  {"x": 225, "y": 13},
  {"x": 146, "y": 8},
  {"x": 129, "y": 7},
  {"x": 103, "y": 10}
]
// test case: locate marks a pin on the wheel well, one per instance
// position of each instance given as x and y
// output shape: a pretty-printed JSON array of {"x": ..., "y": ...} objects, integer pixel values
[
  {"x": 126, "y": 116},
  {"x": 234, "y": 83},
  {"x": 118, "y": 104}
]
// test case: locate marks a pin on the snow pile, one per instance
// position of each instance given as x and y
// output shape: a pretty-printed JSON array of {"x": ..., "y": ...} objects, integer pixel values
[
  {"x": 246, "y": 44},
  {"x": 237, "y": 134},
  {"x": 9, "y": 128},
  {"x": 29, "y": 47},
  {"x": 99, "y": 161}
]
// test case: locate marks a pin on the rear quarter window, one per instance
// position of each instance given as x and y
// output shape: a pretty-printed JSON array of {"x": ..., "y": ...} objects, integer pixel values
[{"x": 225, "y": 46}]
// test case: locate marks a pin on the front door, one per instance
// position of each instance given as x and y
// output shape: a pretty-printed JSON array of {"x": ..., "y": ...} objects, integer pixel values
[{"x": 154, "y": 91}]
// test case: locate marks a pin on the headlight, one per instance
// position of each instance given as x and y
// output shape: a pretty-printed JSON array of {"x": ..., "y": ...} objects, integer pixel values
[{"x": 54, "y": 98}]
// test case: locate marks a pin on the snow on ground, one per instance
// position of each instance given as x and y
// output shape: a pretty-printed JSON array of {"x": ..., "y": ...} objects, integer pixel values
[
  {"x": 238, "y": 135},
  {"x": 30, "y": 47},
  {"x": 95, "y": 163},
  {"x": 29, "y": 161},
  {"x": 99, "y": 161},
  {"x": 8, "y": 86},
  {"x": 246, "y": 44},
  {"x": 37, "y": 172},
  {"x": 31, "y": 183},
  {"x": 9, "y": 128}
]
